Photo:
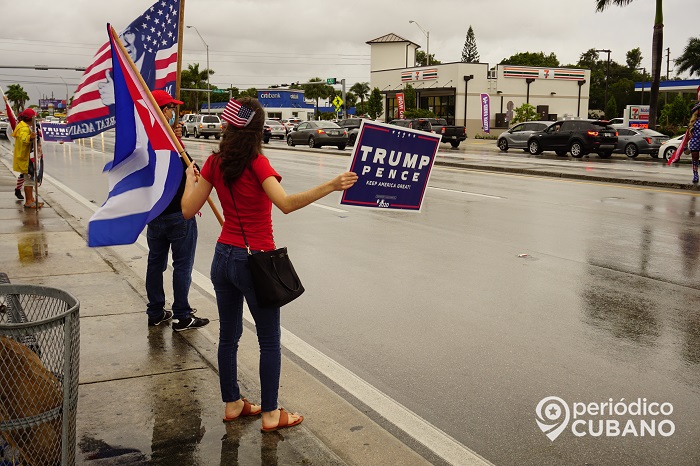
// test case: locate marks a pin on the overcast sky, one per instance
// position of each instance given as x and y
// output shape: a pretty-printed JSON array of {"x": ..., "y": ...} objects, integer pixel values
[{"x": 259, "y": 43}]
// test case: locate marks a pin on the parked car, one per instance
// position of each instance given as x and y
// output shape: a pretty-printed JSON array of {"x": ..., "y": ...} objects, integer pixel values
[
  {"x": 184, "y": 120},
  {"x": 318, "y": 134},
  {"x": 290, "y": 123},
  {"x": 633, "y": 141},
  {"x": 618, "y": 123},
  {"x": 352, "y": 125},
  {"x": 203, "y": 125},
  {"x": 517, "y": 136},
  {"x": 277, "y": 129},
  {"x": 4, "y": 126},
  {"x": 669, "y": 147},
  {"x": 576, "y": 136}
]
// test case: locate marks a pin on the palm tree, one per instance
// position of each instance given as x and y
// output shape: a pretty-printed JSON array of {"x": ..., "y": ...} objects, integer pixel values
[
  {"x": 361, "y": 90},
  {"x": 17, "y": 95},
  {"x": 690, "y": 59},
  {"x": 317, "y": 91},
  {"x": 193, "y": 78},
  {"x": 657, "y": 45}
]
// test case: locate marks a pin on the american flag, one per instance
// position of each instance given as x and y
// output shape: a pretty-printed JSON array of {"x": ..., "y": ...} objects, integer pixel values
[
  {"x": 236, "y": 114},
  {"x": 152, "y": 41}
]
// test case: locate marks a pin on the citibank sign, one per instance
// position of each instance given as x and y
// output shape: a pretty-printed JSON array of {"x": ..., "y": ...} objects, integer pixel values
[{"x": 270, "y": 95}]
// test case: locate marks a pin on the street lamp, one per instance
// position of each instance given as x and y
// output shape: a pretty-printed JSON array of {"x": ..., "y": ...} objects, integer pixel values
[
  {"x": 607, "y": 72},
  {"x": 208, "y": 86},
  {"x": 427, "y": 37},
  {"x": 644, "y": 72}
]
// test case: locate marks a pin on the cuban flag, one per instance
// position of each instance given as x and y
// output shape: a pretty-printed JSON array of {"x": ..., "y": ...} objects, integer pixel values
[{"x": 146, "y": 171}]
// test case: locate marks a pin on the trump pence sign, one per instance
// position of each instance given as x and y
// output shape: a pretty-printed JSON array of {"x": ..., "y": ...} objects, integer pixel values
[{"x": 393, "y": 165}]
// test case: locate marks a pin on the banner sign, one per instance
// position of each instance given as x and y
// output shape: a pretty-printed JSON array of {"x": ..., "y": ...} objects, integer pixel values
[
  {"x": 55, "y": 132},
  {"x": 393, "y": 165},
  {"x": 401, "y": 101},
  {"x": 524, "y": 72},
  {"x": 419, "y": 75},
  {"x": 485, "y": 113}
]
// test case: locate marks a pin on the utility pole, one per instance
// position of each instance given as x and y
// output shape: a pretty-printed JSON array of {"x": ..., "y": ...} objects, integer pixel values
[
  {"x": 607, "y": 73},
  {"x": 345, "y": 104}
]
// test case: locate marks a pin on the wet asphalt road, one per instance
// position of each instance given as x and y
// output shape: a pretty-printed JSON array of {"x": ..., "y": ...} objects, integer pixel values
[{"x": 504, "y": 290}]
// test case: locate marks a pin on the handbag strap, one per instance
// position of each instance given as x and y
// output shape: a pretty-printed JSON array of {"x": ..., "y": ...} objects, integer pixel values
[{"x": 245, "y": 240}]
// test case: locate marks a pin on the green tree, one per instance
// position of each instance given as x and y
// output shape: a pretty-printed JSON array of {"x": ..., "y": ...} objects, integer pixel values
[
  {"x": 611, "y": 108},
  {"x": 657, "y": 45},
  {"x": 17, "y": 96},
  {"x": 525, "y": 112},
  {"x": 419, "y": 113},
  {"x": 194, "y": 78},
  {"x": 250, "y": 92},
  {"x": 422, "y": 59},
  {"x": 375, "y": 104},
  {"x": 532, "y": 59},
  {"x": 469, "y": 52},
  {"x": 634, "y": 58},
  {"x": 361, "y": 90},
  {"x": 350, "y": 99},
  {"x": 316, "y": 91},
  {"x": 409, "y": 95},
  {"x": 690, "y": 58},
  {"x": 676, "y": 112}
]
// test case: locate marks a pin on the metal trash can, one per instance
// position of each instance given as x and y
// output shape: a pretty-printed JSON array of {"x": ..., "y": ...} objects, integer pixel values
[{"x": 39, "y": 357}]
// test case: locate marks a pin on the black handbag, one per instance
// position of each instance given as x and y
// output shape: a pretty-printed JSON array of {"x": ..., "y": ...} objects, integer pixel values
[{"x": 275, "y": 281}]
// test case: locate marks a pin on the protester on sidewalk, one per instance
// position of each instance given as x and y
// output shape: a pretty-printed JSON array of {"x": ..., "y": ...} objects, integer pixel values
[
  {"x": 240, "y": 169},
  {"x": 24, "y": 139},
  {"x": 13, "y": 125},
  {"x": 170, "y": 231},
  {"x": 694, "y": 140}
]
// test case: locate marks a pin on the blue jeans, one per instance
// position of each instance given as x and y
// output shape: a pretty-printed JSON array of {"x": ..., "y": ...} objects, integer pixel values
[
  {"x": 232, "y": 282},
  {"x": 165, "y": 233}
]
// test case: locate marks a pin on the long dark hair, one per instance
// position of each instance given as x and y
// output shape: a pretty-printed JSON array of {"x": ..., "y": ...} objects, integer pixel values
[{"x": 240, "y": 146}]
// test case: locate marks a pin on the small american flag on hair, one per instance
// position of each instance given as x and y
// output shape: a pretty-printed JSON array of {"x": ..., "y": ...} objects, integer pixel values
[{"x": 236, "y": 114}]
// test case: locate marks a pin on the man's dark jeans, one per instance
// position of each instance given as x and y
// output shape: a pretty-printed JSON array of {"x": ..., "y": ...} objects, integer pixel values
[{"x": 165, "y": 233}]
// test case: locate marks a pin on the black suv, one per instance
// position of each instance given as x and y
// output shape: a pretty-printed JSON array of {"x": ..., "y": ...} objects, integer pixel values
[{"x": 576, "y": 136}]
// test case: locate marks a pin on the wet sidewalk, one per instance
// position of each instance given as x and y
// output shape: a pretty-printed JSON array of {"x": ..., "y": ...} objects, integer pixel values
[{"x": 150, "y": 395}]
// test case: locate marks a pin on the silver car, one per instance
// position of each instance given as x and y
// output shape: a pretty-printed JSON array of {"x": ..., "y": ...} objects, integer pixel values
[
  {"x": 318, "y": 134},
  {"x": 277, "y": 129},
  {"x": 518, "y": 135},
  {"x": 634, "y": 141}
]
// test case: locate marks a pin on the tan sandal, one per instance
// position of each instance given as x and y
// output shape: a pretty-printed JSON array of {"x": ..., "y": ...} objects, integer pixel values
[
  {"x": 246, "y": 411},
  {"x": 283, "y": 423}
]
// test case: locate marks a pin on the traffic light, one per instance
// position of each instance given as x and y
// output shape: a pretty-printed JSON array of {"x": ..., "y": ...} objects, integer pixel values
[{"x": 330, "y": 80}]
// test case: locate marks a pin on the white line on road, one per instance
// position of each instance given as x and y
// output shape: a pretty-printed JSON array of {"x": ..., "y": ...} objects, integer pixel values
[
  {"x": 466, "y": 192},
  {"x": 333, "y": 209}
]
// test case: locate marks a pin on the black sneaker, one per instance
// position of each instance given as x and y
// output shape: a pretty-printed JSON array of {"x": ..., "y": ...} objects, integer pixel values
[
  {"x": 189, "y": 323},
  {"x": 18, "y": 194},
  {"x": 167, "y": 315}
]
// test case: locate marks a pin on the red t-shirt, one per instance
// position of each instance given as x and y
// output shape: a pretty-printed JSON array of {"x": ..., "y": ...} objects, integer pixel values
[{"x": 254, "y": 207}]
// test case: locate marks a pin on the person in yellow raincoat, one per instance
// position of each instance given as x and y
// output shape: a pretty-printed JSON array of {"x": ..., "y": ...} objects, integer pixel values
[{"x": 24, "y": 138}]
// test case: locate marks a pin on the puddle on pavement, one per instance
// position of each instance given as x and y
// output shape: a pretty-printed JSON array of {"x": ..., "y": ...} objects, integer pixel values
[{"x": 32, "y": 248}]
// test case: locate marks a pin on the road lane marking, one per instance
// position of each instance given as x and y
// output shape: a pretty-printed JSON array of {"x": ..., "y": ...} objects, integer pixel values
[
  {"x": 466, "y": 192},
  {"x": 333, "y": 209}
]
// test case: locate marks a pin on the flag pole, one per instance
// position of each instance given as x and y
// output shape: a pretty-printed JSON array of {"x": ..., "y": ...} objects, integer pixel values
[
  {"x": 36, "y": 164},
  {"x": 171, "y": 133},
  {"x": 180, "y": 31}
]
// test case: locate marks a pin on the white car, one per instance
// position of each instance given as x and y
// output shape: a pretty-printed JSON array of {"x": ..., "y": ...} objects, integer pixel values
[
  {"x": 669, "y": 147},
  {"x": 618, "y": 123},
  {"x": 4, "y": 126}
]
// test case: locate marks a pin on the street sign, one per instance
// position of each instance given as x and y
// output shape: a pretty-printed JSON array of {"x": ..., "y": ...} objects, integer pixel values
[
  {"x": 337, "y": 102},
  {"x": 219, "y": 91},
  {"x": 330, "y": 80}
]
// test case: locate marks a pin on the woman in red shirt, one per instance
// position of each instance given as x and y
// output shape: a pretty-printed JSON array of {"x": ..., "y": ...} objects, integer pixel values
[{"x": 240, "y": 171}]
